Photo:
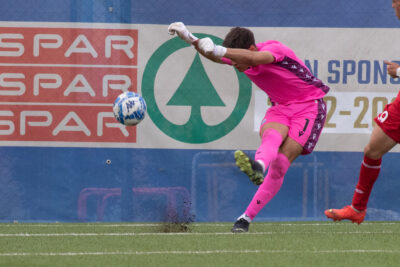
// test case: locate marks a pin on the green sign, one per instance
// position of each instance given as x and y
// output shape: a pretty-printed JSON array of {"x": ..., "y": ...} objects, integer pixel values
[{"x": 196, "y": 91}]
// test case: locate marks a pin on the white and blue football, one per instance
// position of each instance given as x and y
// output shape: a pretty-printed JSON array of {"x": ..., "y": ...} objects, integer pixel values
[{"x": 129, "y": 108}]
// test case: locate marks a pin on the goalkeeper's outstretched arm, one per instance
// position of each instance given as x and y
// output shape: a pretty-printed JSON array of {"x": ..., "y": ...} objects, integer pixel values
[
  {"x": 248, "y": 57},
  {"x": 209, "y": 56},
  {"x": 209, "y": 50},
  {"x": 180, "y": 29}
]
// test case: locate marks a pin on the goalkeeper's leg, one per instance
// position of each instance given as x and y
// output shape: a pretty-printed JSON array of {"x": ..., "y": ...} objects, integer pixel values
[
  {"x": 271, "y": 185},
  {"x": 267, "y": 151}
]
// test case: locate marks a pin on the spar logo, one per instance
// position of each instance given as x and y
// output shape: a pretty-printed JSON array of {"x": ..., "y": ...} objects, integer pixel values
[
  {"x": 195, "y": 98},
  {"x": 58, "y": 84}
]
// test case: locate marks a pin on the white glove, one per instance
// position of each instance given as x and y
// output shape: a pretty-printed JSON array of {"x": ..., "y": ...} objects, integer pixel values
[
  {"x": 180, "y": 29},
  {"x": 207, "y": 46}
]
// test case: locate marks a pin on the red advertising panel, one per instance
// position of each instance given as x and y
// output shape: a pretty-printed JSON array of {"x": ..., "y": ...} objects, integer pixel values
[
  {"x": 62, "y": 123},
  {"x": 64, "y": 84},
  {"x": 68, "y": 46},
  {"x": 58, "y": 84}
]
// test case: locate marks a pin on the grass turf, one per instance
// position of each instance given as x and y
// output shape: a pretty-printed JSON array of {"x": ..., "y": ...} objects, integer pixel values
[{"x": 206, "y": 244}]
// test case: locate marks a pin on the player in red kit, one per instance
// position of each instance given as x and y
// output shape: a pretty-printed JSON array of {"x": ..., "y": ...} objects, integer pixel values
[{"x": 385, "y": 135}]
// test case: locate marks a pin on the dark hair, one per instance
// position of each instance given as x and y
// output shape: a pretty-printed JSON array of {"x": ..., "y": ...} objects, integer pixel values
[{"x": 239, "y": 37}]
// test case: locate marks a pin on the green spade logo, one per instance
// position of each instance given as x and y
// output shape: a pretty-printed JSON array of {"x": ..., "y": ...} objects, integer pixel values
[{"x": 196, "y": 91}]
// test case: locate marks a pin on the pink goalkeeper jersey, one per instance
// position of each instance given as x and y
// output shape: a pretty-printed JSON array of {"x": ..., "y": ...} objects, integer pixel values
[{"x": 287, "y": 80}]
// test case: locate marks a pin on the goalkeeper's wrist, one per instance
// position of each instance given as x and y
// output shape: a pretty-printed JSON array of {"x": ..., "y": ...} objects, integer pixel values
[
  {"x": 191, "y": 38},
  {"x": 219, "y": 51},
  {"x": 398, "y": 72}
]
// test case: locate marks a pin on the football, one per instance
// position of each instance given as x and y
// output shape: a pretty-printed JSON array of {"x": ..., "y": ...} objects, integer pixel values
[{"x": 129, "y": 108}]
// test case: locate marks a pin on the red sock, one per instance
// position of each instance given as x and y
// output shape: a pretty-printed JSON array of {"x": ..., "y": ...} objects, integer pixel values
[{"x": 368, "y": 174}]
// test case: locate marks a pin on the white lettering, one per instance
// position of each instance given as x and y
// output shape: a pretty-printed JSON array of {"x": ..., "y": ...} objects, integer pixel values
[
  {"x": 10, "y": 124},
  {"x": 73, "y": 87},
  {"x": 37, "y": 42},
  {"x": 116, "y": 86},
  {"x": 9, "y": 84},
  {"x": 100, "y": 120},
  {"x": 79, "y": 127},
  {"x": 12, "y": 53},
  {"x": 126, "y": 47},
  {"x": 75, "y": 49},
  {"x": 47, "y": 85},
  {"x": 25, "y": 114}
]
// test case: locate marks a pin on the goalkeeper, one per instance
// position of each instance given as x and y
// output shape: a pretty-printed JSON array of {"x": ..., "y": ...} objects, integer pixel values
[{"x": 292, "y": 125}]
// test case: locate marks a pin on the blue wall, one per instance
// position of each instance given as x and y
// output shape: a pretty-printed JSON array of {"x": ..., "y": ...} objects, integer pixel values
[
  {"x": 266, "y": 13},
  {"x": 44, "y": 184}
]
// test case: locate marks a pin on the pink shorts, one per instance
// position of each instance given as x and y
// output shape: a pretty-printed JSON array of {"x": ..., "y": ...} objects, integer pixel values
[
  {"x": 305, "y": 121},
  {"x": 389, "y": 119}
]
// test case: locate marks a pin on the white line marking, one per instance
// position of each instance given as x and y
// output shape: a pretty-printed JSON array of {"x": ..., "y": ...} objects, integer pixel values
[
  {"x": 331, "y": 224},
  {"x": 191, "y": 234},
  {"x": 356, "y": 251}
]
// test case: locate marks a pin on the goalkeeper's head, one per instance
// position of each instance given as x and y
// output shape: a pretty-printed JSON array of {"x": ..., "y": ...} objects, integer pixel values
[{"x": 239, "y": 37}]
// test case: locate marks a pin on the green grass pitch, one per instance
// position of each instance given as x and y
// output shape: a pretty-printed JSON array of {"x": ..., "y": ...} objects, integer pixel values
[{"x": 205, "y": 244}]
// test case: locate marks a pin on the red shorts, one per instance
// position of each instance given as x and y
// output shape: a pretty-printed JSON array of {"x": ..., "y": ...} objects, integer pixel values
[{"x": 389, "y": 119}]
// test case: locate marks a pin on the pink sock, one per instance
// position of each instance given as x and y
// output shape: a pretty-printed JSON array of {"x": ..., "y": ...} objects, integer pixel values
[
  {"x": 270, "y": 142},
  {"x": 271, "y": 185}
]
